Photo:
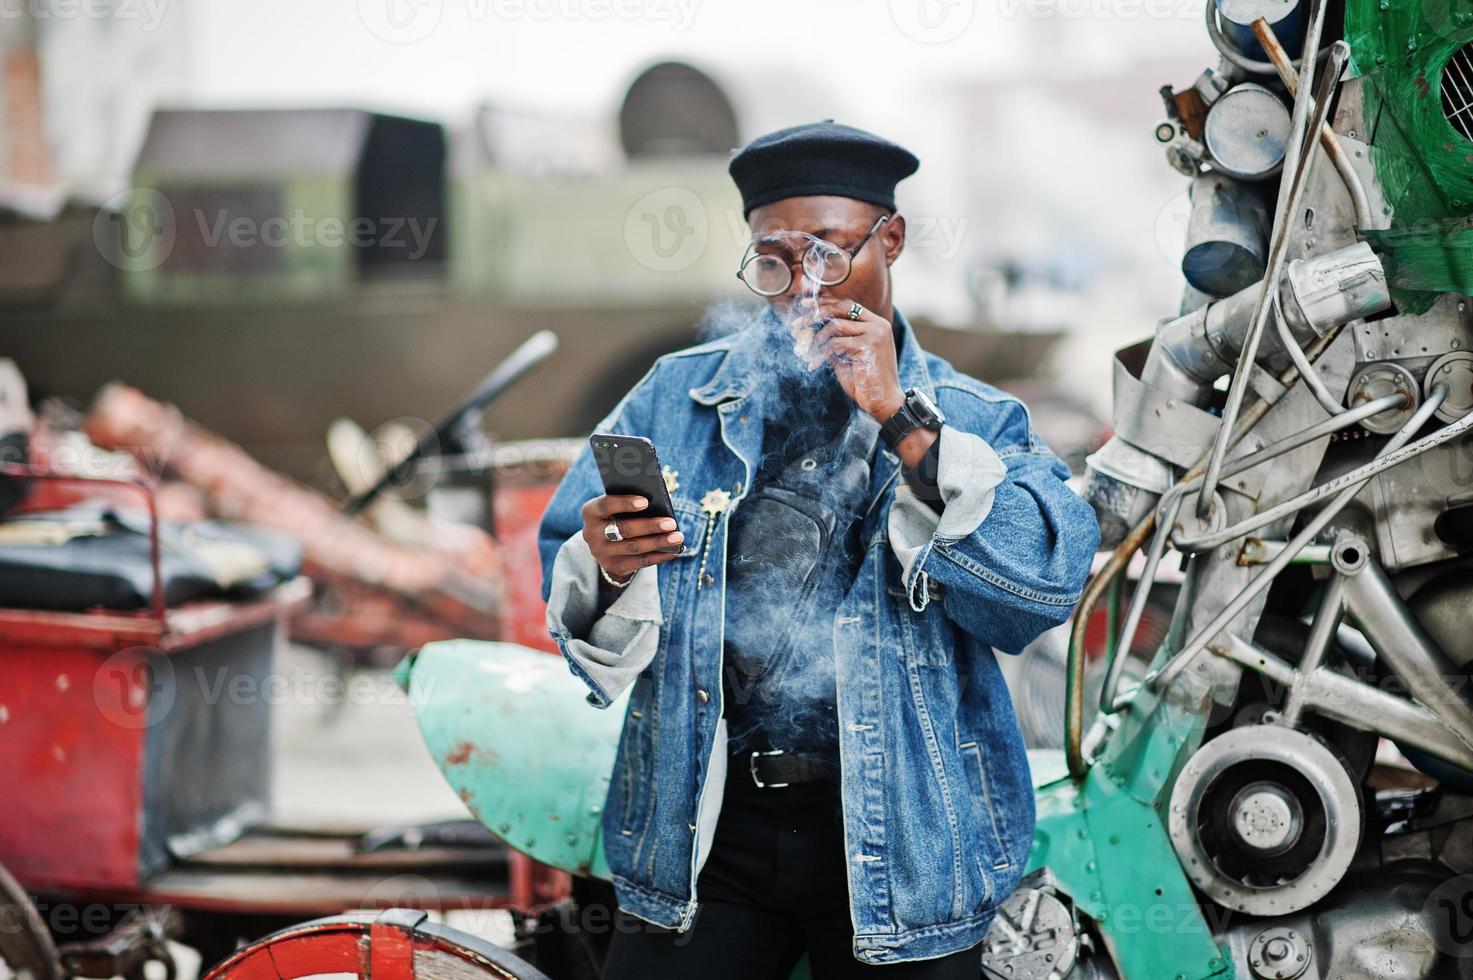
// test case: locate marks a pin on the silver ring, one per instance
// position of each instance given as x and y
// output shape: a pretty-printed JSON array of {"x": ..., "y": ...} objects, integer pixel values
[
  {"x": 611, "y": 531},
  {"x": 856, "y": 311}
]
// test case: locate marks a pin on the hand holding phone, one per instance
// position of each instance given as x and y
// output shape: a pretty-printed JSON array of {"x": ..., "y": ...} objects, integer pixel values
[{"x": 636, "y": 505}]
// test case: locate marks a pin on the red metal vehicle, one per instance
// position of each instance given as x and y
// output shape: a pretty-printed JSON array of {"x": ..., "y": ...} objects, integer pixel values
[{"x": 136, "y": 806}]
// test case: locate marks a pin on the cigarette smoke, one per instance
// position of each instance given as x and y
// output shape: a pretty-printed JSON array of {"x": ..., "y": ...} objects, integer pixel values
[{"x": 781, "y": 601}]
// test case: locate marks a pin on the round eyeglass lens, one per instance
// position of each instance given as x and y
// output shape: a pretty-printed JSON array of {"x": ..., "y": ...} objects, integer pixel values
[
  {"x": 826, "y": 265},
  {"x": 767, "y": 274}
]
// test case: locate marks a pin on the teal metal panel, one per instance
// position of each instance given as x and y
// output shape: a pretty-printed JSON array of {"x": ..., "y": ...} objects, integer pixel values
[{"x": 511, "y": 731}]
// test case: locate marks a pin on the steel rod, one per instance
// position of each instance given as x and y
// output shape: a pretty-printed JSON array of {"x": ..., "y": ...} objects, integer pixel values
[
  {"x": 1393, "y": 454},
  {"x": 1328, "y": 138},
  {"x": 1291, "y": 186},
  {"x": 1170, "y": 506},
  {"x": 1179, "y": 662},
  {"x": 1411, "y": 653},
  {"x": 1351, "y": 702},
  {"x": 1321, "y": 632}
]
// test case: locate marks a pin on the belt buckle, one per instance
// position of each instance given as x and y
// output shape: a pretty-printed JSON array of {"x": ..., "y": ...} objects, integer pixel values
[{"x": 752, "y": 767}]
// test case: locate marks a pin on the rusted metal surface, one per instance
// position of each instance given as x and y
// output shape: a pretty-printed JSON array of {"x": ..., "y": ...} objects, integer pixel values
[
  {"x": 450, "y": 592},
  {"x": 97, "y": 720},
  {"x": 397, "y": 944},
  {"x": 271, "y": 847},
  {"x": 182, "y": 626}
]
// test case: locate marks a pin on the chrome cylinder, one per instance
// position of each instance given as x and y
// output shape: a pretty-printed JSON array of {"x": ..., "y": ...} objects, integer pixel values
[
  {"x": 1227, "y": 235},
  {"x": 1193, "y": 351},
  {"x": 1247, "y": 132}
]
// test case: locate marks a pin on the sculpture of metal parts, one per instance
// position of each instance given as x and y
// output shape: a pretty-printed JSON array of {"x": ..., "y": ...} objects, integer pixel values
[
  {"x": 1322, "y": 507},
  {"x": 511, "y": 731}
]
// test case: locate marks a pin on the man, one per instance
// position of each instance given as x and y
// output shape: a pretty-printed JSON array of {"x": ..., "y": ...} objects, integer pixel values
[{"x": 819, "y": 754}]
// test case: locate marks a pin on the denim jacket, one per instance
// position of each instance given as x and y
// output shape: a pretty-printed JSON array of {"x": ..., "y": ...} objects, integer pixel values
[{"x": 936, "y": 793}]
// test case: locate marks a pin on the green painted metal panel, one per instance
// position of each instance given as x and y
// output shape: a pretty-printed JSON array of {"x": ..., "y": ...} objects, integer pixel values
[
  {"x": 1424, "y": 167},
  {"x": 1105, "y": 841},
  {"x": 511, "y": 731}
]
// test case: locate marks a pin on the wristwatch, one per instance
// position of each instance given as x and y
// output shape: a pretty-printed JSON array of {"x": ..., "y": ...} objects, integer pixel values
[{"x": 917, "y": 412}]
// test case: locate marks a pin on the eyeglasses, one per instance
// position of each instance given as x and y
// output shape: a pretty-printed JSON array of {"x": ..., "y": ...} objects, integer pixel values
[{"x": 771, "y": 273}]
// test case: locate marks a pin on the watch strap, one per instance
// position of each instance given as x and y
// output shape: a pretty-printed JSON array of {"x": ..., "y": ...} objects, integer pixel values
[{"x": 899, "y": 425}]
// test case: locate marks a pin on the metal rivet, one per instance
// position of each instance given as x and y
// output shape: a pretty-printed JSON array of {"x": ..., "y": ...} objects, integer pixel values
[
  {"x": 701, "y": 693},
  {"x": 707, "y": 579}
]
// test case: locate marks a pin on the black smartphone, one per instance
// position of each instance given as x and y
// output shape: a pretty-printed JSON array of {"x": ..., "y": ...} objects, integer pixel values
[{"x": 629, "y": 465}]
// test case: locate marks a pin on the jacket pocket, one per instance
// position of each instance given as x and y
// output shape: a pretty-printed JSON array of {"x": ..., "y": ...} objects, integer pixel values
[{"x": 992, "y": 825}]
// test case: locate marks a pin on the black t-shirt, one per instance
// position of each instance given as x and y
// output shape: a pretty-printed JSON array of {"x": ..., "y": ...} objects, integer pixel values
[{"x": 793, "y": 554}]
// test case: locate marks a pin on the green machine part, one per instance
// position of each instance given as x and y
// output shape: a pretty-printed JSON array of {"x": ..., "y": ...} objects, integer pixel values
[
  {"x": 513, "y": 735},
  {"x": 1104, "y": 840},
  {"x": 1423, "y": 163},
  {"x": 511, "y": 731}
]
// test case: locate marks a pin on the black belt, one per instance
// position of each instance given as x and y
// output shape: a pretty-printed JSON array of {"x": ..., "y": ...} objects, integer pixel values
[{"x": 776, "y": 768}]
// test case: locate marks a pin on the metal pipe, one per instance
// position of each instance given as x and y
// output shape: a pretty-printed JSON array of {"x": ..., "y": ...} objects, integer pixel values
[
  {"x": 1392, "y": 454},
  {"x": 1171, "y": 504},
  {"x": 1321, "y": 632},
  {"x": 1311, "y": 377},
  {"x": 1291, "y": 187},
  {"x": 1262, "y": 552},
  {"x": 1316, "y": 524},
  {"x": 1340, "y": 698},
  {"x": 1120, "y": 558},
  {"x": 1411, "y": 653},
  {"x": 1328, "y": 139},
  {"x": 1225, "y": 47}
]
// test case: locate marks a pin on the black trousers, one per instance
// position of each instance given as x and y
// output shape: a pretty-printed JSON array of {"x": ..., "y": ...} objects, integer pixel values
[{"x": 773, "y": 887}]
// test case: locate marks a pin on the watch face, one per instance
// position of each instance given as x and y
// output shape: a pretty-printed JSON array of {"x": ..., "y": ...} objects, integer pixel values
[{"x": 925, "y": 410}]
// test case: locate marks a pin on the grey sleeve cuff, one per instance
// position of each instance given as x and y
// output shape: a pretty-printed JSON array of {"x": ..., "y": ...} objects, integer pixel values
[
  {"x": 606, "y": 651},
  {"x": 968, "y": 477}
]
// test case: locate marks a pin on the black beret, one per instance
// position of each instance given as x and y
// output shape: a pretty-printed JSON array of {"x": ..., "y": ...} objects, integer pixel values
[{"x": 820, "y": 158}]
